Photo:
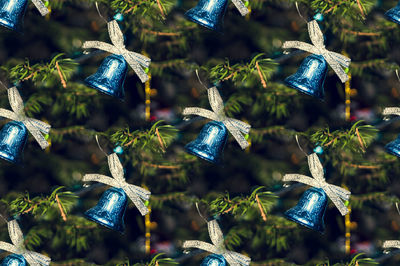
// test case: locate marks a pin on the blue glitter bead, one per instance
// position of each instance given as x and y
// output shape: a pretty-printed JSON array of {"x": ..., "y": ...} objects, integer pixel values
[
  {"x": 319, "y": 150},
  {"x": 110, "y": 210},
  {"x": 13, "y": 137},
  {"x": 119, "y": 17},
  {"x": 110, "y": 76},
  {"x": 310, "y": 209},
  {"x": 310, "y": 76},
  {"x": 12, "y": 13},
  {"x": 210, "y": 143},
  {"x": 394, "y": 147},
  {"x": 14, "y": 260},
  {"x": 394, "y": 14},
  {"x": 209, "y": 13},
  {"x": 214, "y": 260},
  {"x": 118, "y": 150},
  {"x": 319, "y": 17}
]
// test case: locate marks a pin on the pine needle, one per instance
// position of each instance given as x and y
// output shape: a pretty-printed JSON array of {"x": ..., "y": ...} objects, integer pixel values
[
  {"x": 264, "y": 84},
  {"x": 64, "y": 84},
  {"x": 63, "y": 215},
  {"x": 264, "y": 217}
]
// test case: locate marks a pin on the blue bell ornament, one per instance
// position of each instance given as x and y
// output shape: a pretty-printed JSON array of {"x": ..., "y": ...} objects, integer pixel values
[
  {"x": 310, "y": 76},
  {"x": 12, "y": 13},
  {"x": 14, "y": 260},
  {"x": 394, "y": 147},
  {"x": 310, "y": 209},
  {"x": 214, "y": 260},
  {"x": 110, "y": 76},
  {"x": 210, "y": 143},
  {"x": 394, "y": 14},
  {"x": 209, "y": 13},
  {"x": 13, "y": 137},
  {"x": 110, "y": 210}
]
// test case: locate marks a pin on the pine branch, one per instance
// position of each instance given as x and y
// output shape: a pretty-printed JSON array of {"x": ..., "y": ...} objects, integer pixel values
[
  {"x": 58, "y": 134},
  {"x": 158, "y": 201},
  {"x": 259, "y": 68},
  {"x": 355, "y": 139},
  {"x": 146, "y": 139},
  {"x": 156, "y": 9},
  {"x": 358, "y": 201},
  {"x": 40, "y": 205},
  {"x": 58, "y": 68},
  {"x": 240, "y": 205}
]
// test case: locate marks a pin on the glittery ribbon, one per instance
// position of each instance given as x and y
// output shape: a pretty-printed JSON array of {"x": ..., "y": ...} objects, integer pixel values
[
  {"x": 135, "y": 60},
  {"x": 241, "y": 7},
  {"x": 335, "y": 60},
  {"x": 217, "y": 238},
  {"x": 135, "y": 193},
  {"x": 17, "y": 246},
  {"x": 391, "y": 111},
  {"x": 236, "y": 127},
  {"x": 36, "y": 127},
  {"x": 335, "y": 193},
  {"x": 41, "y": 7},
  {"x": 391, "y": 244}
]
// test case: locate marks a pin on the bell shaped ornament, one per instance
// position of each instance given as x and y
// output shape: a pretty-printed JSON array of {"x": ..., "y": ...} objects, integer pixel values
[
  {"x": 12, "y": 13},
  {"x": 394, "y": 14},
  {"x": 310, "y": 209},
  {"x": 209, "y": 13},
  {"x": 13, "y": 137},
  {"x": 214, "y": 260},
  {"x": 310, "y": 76},
  {"x": 110, "y": 210},
  {"x": 210, "y": 143},
  {"x": 14, "y": 260},
  {"x": 394, "y": 147},
  {"x": 110, "y": 76}
]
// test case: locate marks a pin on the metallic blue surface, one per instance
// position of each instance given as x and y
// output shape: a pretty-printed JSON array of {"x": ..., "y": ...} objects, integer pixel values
[
  {"x": 310, "y": 76},
  {"x": 209, "y": 13},
  {"x": 110, "y": 210},
  {"x": 310, "y": 209},
  {"x": 318, "y": 150},
  {"x": 13, "y": 137},
  {"x": 12, "y": 13},
  {"x": 210, "y": 143},
  {"x": 394, "y": 147},
  {"x": 394, "y": 14},
  {"x": 214, "y": 260},
  {"x": 14, "y": 260},
  {"x": 110, "y": 76}
]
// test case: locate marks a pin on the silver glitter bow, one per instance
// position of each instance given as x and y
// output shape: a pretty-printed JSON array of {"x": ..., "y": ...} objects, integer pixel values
[
  {"x": 391, "y": 111},
  {"x": 217, "y": 238},
  {"x": 41, "y": 7},
  {"x": 17, "y": 246},
  {"x": 135, "y": 60},
  {"x": 241, "y": 7},
  {"x": 236, "y": 127},
  {"x": 135, "y": 193},
  {"x": 36, "y": 127},
  {"x": 335, "y": 60},
  {"x": 391, "y": 244},
  {"x": 335, "y": 193}
]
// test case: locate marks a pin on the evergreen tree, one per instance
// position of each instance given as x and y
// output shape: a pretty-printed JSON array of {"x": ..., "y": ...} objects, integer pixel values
[{"x": 148, "y": 131}]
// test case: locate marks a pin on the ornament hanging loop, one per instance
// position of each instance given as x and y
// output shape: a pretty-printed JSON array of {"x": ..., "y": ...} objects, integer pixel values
[
  {"x": 298, "y": 144},
  {"x": 198, "y": 210},
  {"x": 98, "y": 11},
  {"x": 98, "y": 144},
  {"x": 200, "y": 81},
  {"x": 298, "y": 11},
  {"x": 3, "y": 85}
]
